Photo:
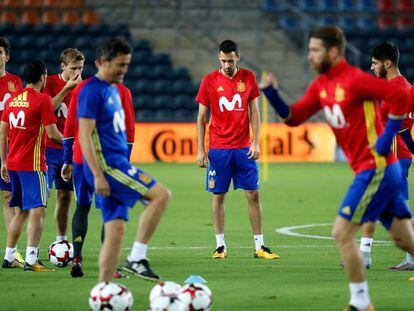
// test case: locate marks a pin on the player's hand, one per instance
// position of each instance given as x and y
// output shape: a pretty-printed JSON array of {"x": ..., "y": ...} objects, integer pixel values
[
  {"x": 5, "y": 174},
  {"x": 202, "y": 159},
  {"x": 269, "y": 80},
  {"x": 102, "y": 186},
  {"x": 73, "y": 82},
  {"x": 254, "y": 152},
  {"x": 66, "y": 172}
]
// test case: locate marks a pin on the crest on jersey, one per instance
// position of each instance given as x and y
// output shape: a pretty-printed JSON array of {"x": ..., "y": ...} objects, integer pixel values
[
  {"x": 323, "y": 94},
  {"x": 144, "y": 178},
  {"x": 339, "y": 93},
  {"x": 211, "y": 183},
  {"x": 11, "y": 86},
  {"x": 241, "y": 86}
]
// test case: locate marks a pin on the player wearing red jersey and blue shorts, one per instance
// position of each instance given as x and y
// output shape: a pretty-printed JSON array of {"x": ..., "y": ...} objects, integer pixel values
[
  {"x": 385, "y": 59},
  {"x": 28, "y": 114},
  {"x": 73, "y": 166},
  {"x": 347, "y": 96},
  {"x": 9, "y": 83},
  {"x": 60, "y": 87},
  {"x": 231, "y": 95},
  {"x": 117, "y": 183}
]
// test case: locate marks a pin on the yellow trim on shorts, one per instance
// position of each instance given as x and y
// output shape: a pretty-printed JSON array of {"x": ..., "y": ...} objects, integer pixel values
[
  {"x": 369, "y": 193},
  {"x": 369, "y": 112},
  {"x": 43, "y": 187}
]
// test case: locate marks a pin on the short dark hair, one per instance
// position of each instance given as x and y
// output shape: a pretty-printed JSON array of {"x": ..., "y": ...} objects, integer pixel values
[
  {"x": 5, "y": 44},
  {"x": 33, "y": 71},
  {"x": 386, "y": 50},
  {"x": 111, "y": 48},
  {"x": 332, "y": 36},
  {"x": 228, "y": 46}
]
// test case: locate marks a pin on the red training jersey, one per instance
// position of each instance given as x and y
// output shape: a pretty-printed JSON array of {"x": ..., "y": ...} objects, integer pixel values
[
  {"x": 347, "y": 96},
  {"x": 71, "y": 126},
  {"x": 399, "y": 147},
  {"x": 54, "y": 84},
  {"x": 9, "y": 84},
  {"x": 27, "y": 112},
  {"x": 228, "y": 100}
]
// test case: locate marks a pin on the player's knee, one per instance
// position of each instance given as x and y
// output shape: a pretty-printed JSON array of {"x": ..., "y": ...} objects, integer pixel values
[
  {"x": 253, "y": 196},
  {"x": 6, "y": 195},
  {"x": 64, "y": 198},
  {"x": 340, "y": 236}
]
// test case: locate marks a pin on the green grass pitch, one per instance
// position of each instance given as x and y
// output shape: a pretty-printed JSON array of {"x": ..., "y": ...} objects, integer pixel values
[{"x": 306, "y": 277}]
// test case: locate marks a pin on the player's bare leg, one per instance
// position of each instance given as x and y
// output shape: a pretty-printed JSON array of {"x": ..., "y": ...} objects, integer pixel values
[
  {"x": 8, "y": 212},
  {"x": 367, "y": 239},
  {"x": 255, "y": 216},
  {"x": 111, "y": 249},
  {"x": 402, "y": 233},
  {"x": 13, "y": 234},
  {"x": 62, "y": 213},
  {"x": 408, "y": 263},
  {"x": 137, "y": 262},
  {"x": 217, "y": 210},
  {"x": 344, "y": 232}
]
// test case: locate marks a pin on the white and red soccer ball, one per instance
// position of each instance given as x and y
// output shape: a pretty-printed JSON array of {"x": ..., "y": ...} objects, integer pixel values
[
  {"x": 60, "y": 253},
  {"x": 110, "y": 296},
  {"x": 169, "y": 296}
]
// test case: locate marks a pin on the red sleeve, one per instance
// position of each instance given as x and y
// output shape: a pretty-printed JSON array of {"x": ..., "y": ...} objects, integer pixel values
[
  {"x": 202, "y": 95},
  {"x": 46, "y": 111},
  {"x": 49, "y": 89},
  {"x": 126, "y": 100},
  {"x": 70, "y": 124},
  {"x": 305, "y": 107},
  {"x": 366, "y": 86},
  {"x": 255, "y": 89}
]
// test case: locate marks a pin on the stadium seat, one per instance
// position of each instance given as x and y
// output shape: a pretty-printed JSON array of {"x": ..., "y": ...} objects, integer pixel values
[
  {"x": 162, "y": 86},
  {"x": 404, "y": 22},
  {"x": 44, "y": 42},
  {"x": 50, "y": 17},
  {"x": 141, "y": 58},
  {"x": 145, "y": 115},
  {"x": 8, "y": 17},
  {"x": 25, "y": 42},
  {"x": 409, "y": 73},
  {"x": 367, "y": 23},
  {"x": 181, "y": 86},
  {"x": 409, "y": 45},
  {"x": 32, "y": 4},
  {"x": 62, "y": 29},
  {"x": 367, "y": 6},
  {"x": 12, "y": 4},
  {"x": 141, "y": 45},
  {"x": 346, "y": 6},
  {"x": 6, "y": 29},
  {"x": 143, "y": 86},
  {"x": 50, "y": 57},
  {"x": 290, "y": 23},
  {"x": 386, "y": 6},
  {"x": 185, "y": 102},
  {"x": 273, "y": 6},
  {"x": 326, "y": 20},
  {"x": 160, "y": 72},
  {"x": 179, "y": 73},
  {"x": 163, "y": 102},
  {"x": 139, "y": 71},
  {"x": 404, "y": 6},
  {"x": 328, "y": 6},
  {"x": 160, "y": 59},
  {"x": 164, "y": 115},
  {"x": 90, "y": 18},
  {"x": 185, "y": 115},
  {"x": 70, "y": 18},
  {"x": 385, "y": 21},
  {"x": 30, "y": 17},
  {"x": 347, "y": 23},
  {"x": 143, "y": 102},
  {"x": 309, "y": 6}
]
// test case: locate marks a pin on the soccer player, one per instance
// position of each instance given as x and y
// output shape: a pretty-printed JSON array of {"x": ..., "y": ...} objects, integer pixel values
[
  {"x": 384, "y": 64},
  {"x": 73, "y": 166},
  {"x": 28, "y": 114},
  {"x": 118, "y": 184},
  {"x": 347, "y": 96},
  {"x": 9, "y": 83},
  {"x": 231, "y": 95},
  {"x": 60, "y": 87}
]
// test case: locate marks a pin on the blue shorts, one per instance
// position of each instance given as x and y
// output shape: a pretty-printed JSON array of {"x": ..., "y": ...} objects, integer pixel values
[
  {"x": 405, "y": 167},
  {"x": 83, "y": 191},
  {"x": 29, "y": 189},
  {"x": 375, "y": 195},
  {"x": 4, "y": 185},
  {"x": 54, "y": 162},
  {"x": 227, "y": 164},
  {"x": 127, "y": 183}
]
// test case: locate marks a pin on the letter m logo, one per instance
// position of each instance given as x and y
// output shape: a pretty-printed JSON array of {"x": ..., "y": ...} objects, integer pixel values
[
  {"x": 335, "y": 117},
  {"x": 230, "y": 106},
  {"x": 17, "y": 121}
]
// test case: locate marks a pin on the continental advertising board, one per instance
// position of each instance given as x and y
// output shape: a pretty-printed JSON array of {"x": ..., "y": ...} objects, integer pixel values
[{"x": 177, "y": 142}]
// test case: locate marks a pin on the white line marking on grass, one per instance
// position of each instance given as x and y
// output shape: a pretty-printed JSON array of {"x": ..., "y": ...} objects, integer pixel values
[{"x": 289, "y": 231}]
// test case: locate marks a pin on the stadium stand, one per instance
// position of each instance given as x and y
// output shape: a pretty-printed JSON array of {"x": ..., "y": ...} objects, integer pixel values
[
  {"x": 366, "y": 23},
  {"x": 41, "y": 29}
]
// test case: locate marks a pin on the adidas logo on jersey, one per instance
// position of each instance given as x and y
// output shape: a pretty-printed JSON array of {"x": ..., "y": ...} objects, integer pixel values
[
  {"x": 20, "y": 101},
  {"x": 220, "y": 89}
]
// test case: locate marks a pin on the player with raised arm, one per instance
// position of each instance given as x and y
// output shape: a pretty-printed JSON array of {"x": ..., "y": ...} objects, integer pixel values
[
  {"x": 28, "y": 114},
  {"x": 60, "y": 87},
  {"x": 231, "y": 94},
  {"x": 347, "y": 96},
  {"x": 73, "y": 168},
  {"x": 117, "y": 183},
  {"x": 9, "y": 83}
]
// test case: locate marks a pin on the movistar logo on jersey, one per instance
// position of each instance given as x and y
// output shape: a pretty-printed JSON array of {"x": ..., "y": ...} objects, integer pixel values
[
  {"x": 17, "y": 121},
  {"x": 119, "y": 121},
  {"x": 235, "y": 104},
  {"x": 335, "y": 116},
  {"x": 20, "y": 101}
]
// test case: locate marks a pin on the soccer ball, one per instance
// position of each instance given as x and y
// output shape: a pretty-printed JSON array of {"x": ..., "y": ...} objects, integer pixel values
[
  {"x": 167, "y": 288},
  {"x": 60, "y": 253},
  {"x": 197, "y": 296},
  {"x": 110, "y": 296},
  {"x": 167, "y": 303}
]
